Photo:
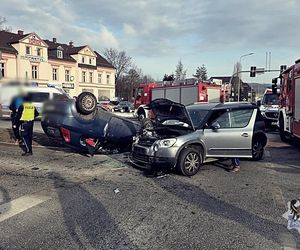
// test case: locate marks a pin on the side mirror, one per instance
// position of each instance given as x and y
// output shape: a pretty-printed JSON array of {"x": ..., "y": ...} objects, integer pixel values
[
  {"x": 258, "y": 103},
  {"x": 215, "y": 126}
]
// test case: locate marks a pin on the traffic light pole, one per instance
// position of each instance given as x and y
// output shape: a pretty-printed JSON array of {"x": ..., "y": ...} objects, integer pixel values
[{"x": 249, "y": 71}]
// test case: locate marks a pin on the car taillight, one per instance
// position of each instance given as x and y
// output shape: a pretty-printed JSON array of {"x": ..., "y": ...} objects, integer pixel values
[{"x": 65, "y": 134}]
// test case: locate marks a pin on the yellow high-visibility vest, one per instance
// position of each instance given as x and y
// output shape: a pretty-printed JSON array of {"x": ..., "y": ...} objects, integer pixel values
[{"x": 28, "y": 112}]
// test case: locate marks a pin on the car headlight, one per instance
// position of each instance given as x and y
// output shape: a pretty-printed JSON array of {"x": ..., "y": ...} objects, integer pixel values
[
  {"x": 135, "y": 139},
  {"x": 166, "y": 143}
]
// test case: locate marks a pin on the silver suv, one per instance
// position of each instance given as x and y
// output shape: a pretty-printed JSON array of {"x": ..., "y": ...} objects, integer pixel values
[{"x": 186, "y": 137}]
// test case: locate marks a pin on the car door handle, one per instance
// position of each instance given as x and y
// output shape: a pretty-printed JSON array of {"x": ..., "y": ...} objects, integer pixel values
[{"x": 245, "y": 135}]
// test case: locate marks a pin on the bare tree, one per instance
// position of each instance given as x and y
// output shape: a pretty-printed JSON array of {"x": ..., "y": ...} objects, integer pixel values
[
  {"x": 119, "y": 60},
  {"x": 2, "y": 26}
]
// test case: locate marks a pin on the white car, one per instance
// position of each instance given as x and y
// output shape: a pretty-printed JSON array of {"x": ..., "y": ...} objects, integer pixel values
[{"x": 38, "y": 94}]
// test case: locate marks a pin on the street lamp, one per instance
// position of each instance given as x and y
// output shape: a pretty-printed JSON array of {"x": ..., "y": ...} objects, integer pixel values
[{"x": 239, "y": 85}]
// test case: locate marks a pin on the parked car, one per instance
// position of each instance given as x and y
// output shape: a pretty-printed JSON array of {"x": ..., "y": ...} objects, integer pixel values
[
  {"x": 124, "y": 106},
  {"x": 186, "y": 137},
  {"x": 81, "y": 125}
]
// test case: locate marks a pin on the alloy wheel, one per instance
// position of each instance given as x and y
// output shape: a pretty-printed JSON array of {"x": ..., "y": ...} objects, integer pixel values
[
  {"x": 192, "y": 162},
  {"x": 257, "y": 150}
]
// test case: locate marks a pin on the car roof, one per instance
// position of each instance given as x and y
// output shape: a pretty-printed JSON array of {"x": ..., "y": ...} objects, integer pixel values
[{"x": 217, "y": 106}]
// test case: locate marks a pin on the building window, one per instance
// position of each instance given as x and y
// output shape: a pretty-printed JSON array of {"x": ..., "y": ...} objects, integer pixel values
[
  {"x": 67, "y": 75},
  {"x": 82, "y": 59},
  {"x": 83, "y": 76},
  {"x": 59, "y": 54},
  {"x": 107, "y": 79},
  {"x": 39, "y": 52},
  {"x": 28, "y": 50},
  {"x": 99, "y": 78},
  {"x": 54, "y": 74},
  {"x": 90, "y": 60},
  {"x": 91, "y": 77},
  {"x": 34, "y": 70},
  {"x": 2, "y": 70}
]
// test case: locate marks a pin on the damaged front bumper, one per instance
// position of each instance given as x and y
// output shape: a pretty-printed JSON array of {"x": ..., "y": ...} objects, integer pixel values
[{"x": 146, "y": 157}]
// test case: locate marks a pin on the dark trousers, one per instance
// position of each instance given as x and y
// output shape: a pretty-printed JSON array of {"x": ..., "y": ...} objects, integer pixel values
[
  {"x": 235, "y": 161},
  {"x": 16, "y": 130},
  {"x": 26, "y": 134}
]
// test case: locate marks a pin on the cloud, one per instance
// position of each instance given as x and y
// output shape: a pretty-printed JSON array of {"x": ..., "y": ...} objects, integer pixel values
[{"x": 161, "y": 32}]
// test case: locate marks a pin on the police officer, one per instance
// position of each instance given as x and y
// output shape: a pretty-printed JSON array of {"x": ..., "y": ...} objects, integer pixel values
[{"x": 25, "y": 116}]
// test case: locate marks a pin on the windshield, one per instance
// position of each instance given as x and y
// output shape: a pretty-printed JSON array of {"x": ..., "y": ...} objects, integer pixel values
[
  {"x": 270, "y": 99},
  {"x": 197, "y": 116}
]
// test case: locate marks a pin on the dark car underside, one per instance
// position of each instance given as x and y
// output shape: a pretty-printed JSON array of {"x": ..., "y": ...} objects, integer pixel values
[{"x": 94, "y": 130}]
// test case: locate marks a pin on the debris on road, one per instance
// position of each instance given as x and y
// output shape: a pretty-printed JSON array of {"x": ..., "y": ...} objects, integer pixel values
[
  {"x": 116, "y": 191},
  {"x": 162, "y": 176}
]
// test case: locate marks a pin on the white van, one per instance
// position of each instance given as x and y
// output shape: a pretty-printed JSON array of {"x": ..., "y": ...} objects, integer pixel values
[{"x": 38, "y": 94}]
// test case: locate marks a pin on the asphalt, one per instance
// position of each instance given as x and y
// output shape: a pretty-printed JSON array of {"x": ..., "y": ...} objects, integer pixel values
[{"x": 71, "y": 202}]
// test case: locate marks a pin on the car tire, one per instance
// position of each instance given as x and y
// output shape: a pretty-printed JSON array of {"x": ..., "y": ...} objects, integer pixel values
[
  {"x": 257, "y": 150},
  {"x": 86, "y": 103},
  {"x": 190, "y": 161},
  {"x": 141, "y": 115}
]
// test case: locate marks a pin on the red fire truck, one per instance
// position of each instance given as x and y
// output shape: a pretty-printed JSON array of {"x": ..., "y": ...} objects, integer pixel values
[
  {"x": 289, "y": 102},
  {"x": 178, "y": 92}
]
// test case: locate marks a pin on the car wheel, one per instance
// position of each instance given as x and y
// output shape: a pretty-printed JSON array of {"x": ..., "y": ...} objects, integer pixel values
[
  {"x": 257, "y": 150},
  {"x": 190, "y": 161},
  {"x": 86, "y": 103},
  {"x": 141, "y": 115}
]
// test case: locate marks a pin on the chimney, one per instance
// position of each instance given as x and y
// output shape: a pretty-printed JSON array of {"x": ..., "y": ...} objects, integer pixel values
[
  {"x": 20, "y": 32},
  {"x": 71, "y": 43},
  {"x": 54, "y": 39}
]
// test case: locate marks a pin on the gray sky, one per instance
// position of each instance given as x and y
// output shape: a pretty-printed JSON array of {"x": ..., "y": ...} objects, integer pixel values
[{"x": 159, "y": 33}]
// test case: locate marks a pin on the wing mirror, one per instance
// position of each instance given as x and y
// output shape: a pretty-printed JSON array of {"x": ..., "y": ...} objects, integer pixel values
[{"x": 215, "y": 126}]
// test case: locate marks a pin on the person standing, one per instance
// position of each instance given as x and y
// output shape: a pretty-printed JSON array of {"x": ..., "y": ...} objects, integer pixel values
[
  {"x": 14, "y": 106},
  {"x": 25, "y": 116}
]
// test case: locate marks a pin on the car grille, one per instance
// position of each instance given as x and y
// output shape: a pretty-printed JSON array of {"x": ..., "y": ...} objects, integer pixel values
[
  {"x": 139, "y": 150},
  {"x": 272, "y": 115},
  {"x": 140, "y": 157}
]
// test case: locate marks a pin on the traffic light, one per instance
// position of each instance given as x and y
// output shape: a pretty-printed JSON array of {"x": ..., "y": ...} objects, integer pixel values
[
  {"x": 282, "y": 68},
  {"x": 252, "y": 71}
]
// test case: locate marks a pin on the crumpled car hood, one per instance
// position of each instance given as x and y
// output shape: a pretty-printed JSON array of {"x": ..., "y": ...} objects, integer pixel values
[{"x": 166, "y": 110}]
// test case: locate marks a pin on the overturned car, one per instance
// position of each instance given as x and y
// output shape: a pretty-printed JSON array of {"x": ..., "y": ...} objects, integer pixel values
[
  {"x": 186, "y": 137},
  {"x": 85, "y": 127}
]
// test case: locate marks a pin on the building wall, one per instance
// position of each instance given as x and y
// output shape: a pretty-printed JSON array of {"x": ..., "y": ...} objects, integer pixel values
[
  {"x": 10, "y": 63},
  {"x": 25, "y": 61},
  {"x": 20, "y": 67},
  {"x": 105, "y": 87}
]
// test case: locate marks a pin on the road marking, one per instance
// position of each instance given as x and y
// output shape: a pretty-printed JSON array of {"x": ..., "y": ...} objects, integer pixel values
[{"x": 20, "y": 205}]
